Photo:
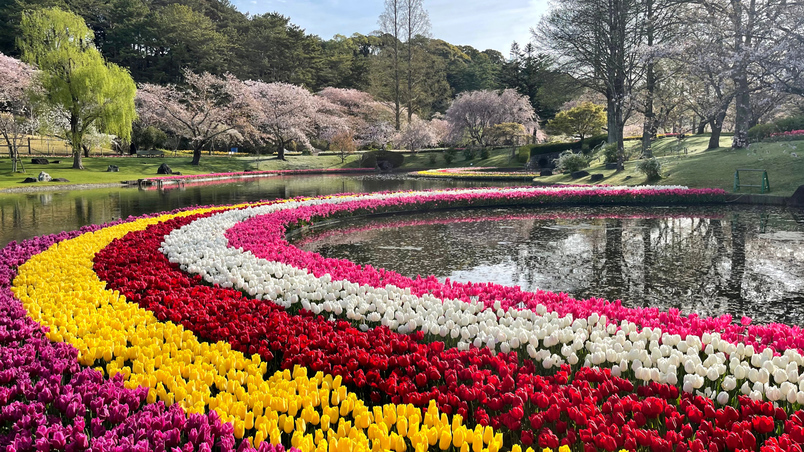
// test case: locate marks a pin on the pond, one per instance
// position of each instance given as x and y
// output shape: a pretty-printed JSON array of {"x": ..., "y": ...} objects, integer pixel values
[
  {"x": 710, "y": 261},
  {"x": 33, "y": 214}
]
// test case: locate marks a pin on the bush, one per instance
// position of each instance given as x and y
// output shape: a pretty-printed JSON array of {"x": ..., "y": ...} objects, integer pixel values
[
  {"x": 484, "y": 153},
  {"x": 550, "y": 148},
  {"x": 761, "y": 131},
  {"x": 523, "y": 154},
  {"x": 370, "y": 159},
  {"x": 764, "y": 131},
  {"x": 468, "y": 153},
  {"x": 432, "y": 158},
  {"x": 789, "y": 124},
  {"x": 570, "y": 162},
  {"x": 610, "y": 152},
  {"x": 651, "y": 168},
  {"x": 449, "y": 155}
]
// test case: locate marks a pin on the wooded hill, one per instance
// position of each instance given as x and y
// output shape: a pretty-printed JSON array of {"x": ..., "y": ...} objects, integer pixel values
[{"x": 156, "y": 39}]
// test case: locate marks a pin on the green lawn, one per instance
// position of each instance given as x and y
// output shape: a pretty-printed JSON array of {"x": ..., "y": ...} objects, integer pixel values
[
  {"x": 138, "y": 168},
  {"x": 714, "y": 169},
  {"x": 695, "y": 168},
  {"x": 132, "y": 168}
]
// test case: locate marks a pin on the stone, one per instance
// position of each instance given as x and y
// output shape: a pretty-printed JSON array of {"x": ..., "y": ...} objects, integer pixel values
[
  {"x": 611, "y": 165},
  {"x": 627, "y": 177},
  {"x": 385, "y": 166},
  {"x": 44, "y": 177},
  {"x": 797, "y": 200},
  {"x": 546, "y": 172},
  {"x": 596, "y": 177},
  {"x": 164, "y": 169},
  {"x": 59, "y": 179},
  {"x": 29, "y": 180},
  {"x": 579, "y": 174},
  {"x": 39, "y": 161},
  {"x": 113, "y": 169}
]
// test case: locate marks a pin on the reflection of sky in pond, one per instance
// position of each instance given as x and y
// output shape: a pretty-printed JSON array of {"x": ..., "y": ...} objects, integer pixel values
[{"x": 743, "y": 261}]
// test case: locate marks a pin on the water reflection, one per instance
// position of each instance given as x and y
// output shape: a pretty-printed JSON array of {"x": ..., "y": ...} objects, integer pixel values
[
  {"x": 27, "y": 215},
  {"x": 743, "y": 261}
]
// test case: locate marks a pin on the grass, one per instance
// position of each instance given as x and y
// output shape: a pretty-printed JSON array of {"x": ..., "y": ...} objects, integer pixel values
[
  {"x": 695, "y": 168},
  {"x": 132, "y": 168},
  {"x": 711, "y": 169}
]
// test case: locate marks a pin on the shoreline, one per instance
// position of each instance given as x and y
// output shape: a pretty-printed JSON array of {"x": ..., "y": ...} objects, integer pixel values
[{"x": 66, "y": 187}]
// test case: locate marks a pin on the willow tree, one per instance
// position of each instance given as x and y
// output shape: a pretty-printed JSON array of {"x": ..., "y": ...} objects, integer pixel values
[{"x": 81, "y": 89}]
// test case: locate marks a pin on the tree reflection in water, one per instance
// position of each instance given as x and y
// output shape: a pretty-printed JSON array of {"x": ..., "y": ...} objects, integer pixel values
[{"x": 708, "y": 261}]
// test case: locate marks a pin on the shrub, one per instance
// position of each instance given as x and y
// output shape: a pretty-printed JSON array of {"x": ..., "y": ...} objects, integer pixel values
[
  {"x": 468, "y": 153},
  {"x": 789, "y": 123},
  {"x": 432, "y": 158},
  {"x": 610, "y": 152},
  {"x": 449, "y": 155},
  {"x": 651, "y": 168},
  {"x": 570, "y": 162},
  {"x": 523, "y": 154},
  {"x": 760, "y": 132},
  {"x": 484, "y": 153},
  {"x": 370, "y": 159},
  {"x": 550, "y": 148}
]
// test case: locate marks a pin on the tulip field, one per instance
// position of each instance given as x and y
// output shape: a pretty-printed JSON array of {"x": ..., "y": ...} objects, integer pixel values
[{"x": 206, "y": 329}]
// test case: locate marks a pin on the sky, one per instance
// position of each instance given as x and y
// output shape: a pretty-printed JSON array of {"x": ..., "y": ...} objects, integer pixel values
[{"x": 482, "y": 24}]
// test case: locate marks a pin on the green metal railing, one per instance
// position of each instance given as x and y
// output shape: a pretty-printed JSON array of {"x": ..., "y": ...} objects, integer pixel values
[{"x": 763, "y": 187}]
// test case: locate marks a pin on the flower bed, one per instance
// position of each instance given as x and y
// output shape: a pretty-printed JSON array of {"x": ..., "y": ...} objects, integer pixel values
[{"x": 286, "y": 347}]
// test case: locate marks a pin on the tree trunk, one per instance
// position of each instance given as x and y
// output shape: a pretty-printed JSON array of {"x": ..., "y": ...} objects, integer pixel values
[
  {"x": 280, "y": 153},
  {"x": 196, "y": 156},
  {"x": 701, "y": 127},
  {"x": 743, "y": 113},
  {"x": 410, "y": 64},
  {"x": 716, "y": 125},
  {"x": 76, "y": 138},
  {"x": 648, "y": 127}
]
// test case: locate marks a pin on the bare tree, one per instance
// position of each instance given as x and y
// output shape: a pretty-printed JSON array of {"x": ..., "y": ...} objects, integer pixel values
[
  {"x": 599, "y": 42},
  {"x": 416, "y": 22},
  {"x": 391, "y": 24}
]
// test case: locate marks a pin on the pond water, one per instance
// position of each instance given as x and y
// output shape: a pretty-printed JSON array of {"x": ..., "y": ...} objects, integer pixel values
[
  {"x": 710, "y": 261},
  {"x": 32, "y": 214}
]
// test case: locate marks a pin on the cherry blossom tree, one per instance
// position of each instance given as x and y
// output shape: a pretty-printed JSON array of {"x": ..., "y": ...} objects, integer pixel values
[
  {"x": 747, "y": 34},
  {"x": 416, "y": 135},
  {"x": 474, "y": 113},
  {"x": 284, "y": 113},
  {"x": 16, "y": 118},
  {"x": 362, "y": 114},
  {"x": 205, "y": 108}
]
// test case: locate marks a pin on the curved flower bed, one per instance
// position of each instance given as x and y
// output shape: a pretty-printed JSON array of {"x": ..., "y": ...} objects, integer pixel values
[
  {"x": 286, "y": 347},
  {"x": 476, "y": 173}
]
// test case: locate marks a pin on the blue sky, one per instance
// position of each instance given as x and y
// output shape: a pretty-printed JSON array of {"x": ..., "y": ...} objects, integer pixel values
[{"x": 483, "y": 24}]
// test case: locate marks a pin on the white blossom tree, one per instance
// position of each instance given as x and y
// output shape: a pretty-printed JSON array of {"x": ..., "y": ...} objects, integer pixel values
[
  {"x": 474, "y": 113},
  {"x": 16, "y": 116},
  {"x": 363, "y": 115},
  {"x": 203, "y": 109},
  {"x": 416, "y": 135},
  {"x": 285, "y": 113}
]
